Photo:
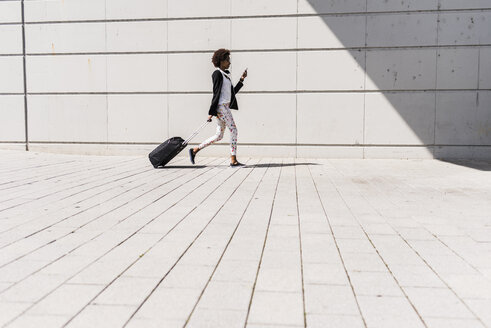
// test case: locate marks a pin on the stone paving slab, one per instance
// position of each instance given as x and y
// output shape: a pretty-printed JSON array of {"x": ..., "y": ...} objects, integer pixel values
[{"x": 92, "y": 241}]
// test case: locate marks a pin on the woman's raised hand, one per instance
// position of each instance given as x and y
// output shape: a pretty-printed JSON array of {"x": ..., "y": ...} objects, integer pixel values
[{"x": 244, "y": 75}]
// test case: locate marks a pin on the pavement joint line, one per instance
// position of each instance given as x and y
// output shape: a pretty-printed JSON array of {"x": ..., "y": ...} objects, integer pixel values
[
  {"x": 15, "y": 318},
  {"x": 337, "y": 247},
  {"x": 86, "y": 209},
  {"x": 77, "y": 174},
  {"x": 300, "y": 241},
  {"x": 457, "y": 254},
  {"x": 191, "y": 244},
  {"x": 373, "y": 245},
  {"x": 226, "y": 246},
  {"x": 82, "y": 191},
  {"x": 96, "y": 218},
  {"x": 264, "y": 246}
]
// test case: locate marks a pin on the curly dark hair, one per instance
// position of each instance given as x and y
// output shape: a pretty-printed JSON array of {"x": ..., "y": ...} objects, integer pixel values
[{"x": 219, "y": 55}]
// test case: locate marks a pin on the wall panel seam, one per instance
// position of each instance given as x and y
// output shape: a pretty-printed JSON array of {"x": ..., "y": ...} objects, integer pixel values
[
  {"x": 365, "y": 78},
  {"x": 263, "y": 144},
  {"x": 102, "y": 93},
  {"x": 166, "y": 52},
  {"x": 26, "y": 118},
  {"x": 436, "y": 78},
  {"x": 337, "y": 14}
]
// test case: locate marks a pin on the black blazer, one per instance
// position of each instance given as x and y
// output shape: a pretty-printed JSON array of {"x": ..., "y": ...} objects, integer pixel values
[{"x": 217, "y": 78}]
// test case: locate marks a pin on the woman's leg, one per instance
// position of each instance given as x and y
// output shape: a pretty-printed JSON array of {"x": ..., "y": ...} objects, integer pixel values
[
  {"x": 217, "y": 137},
  {"x": 229, "y": 121}
]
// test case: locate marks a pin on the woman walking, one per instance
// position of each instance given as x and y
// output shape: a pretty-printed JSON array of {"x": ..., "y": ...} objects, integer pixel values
[{"x": 223, "y": 100}]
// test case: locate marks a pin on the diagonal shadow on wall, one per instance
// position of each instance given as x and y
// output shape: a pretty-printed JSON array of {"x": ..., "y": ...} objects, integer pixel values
[{"x": 419, "y": 96}]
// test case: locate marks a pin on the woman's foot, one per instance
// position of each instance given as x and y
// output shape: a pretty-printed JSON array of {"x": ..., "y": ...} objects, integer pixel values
[
  {"x": 236, "y": 163},
  {"x": 192, "y": 154}
]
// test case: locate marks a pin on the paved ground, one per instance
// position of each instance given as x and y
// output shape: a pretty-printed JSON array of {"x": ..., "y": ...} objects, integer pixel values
[{"x": 112, "y": 242}]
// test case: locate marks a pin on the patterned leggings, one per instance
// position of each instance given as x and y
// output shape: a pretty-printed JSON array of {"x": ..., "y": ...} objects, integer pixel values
[{"x": 224, "y": 119}]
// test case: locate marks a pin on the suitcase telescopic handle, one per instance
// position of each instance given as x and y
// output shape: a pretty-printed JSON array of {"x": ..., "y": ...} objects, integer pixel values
[{"x": 195, "y": 133}]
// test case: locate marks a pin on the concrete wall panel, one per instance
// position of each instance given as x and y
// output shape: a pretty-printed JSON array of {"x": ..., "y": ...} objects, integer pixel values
[
  {"x": 137, "y": 73},
  {"x": 331, "y": 6},
  {"x": 266, "y": 119},
  {"x": 12, "y": 74},
  {"x": 137, "y": 118},
  {"x": 409, "y": 152},
  {"x": 66, "y": 38},
  {"x": 465, "y": 28},
  {"x": 187, "y": 113},
  {"x": 458, "y": 4},
  {"x": 12, "y": 126},
  {"x": 463, "y": 118},
  {"x": 328, "y": 119},
  {"x": 331, "y": 70},
  {"x": 401, "y": 69},
  {"x": 190, "y": 72},
  {"x": 268, "y": 71},
  {"x": 457, "y": 68},
  {"x": 11, "y": 38},
  {"x": 400, "y": 118},
  {"x": 275, "y": 33},
  {"x": 135, "y": 9},
  {"x": 398, "y": 5},
  {"x": 199, "y": 8},
  {"x": 263, "y": 7},
  {"x": 401, "y": 30},
  {"x": 81, "y": 73},
  {"x": 484, "y": 118},
  {"x": 329, "y": 152},
  {"x": 64, "y": 10},
  {"x": 199, "y": 34},
  {"x": 485, "y": 68},
  {"x": 467, "y": 152},
  {"x": 336, "y": 31},
  {"x": 73, "y": 118},
  {"x": 10, "y": 12},
  {"x": 136, "y": 36}
]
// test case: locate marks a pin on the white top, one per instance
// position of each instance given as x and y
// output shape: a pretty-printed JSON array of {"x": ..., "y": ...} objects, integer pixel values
[{"x": 226, "y": 93}]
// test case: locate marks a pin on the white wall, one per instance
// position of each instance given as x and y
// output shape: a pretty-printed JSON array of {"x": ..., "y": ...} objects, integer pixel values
[{"x": 327, "y": 78}]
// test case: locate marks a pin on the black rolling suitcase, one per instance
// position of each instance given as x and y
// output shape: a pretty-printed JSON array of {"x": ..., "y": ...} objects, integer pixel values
[{"x": 166, "y": 151}]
